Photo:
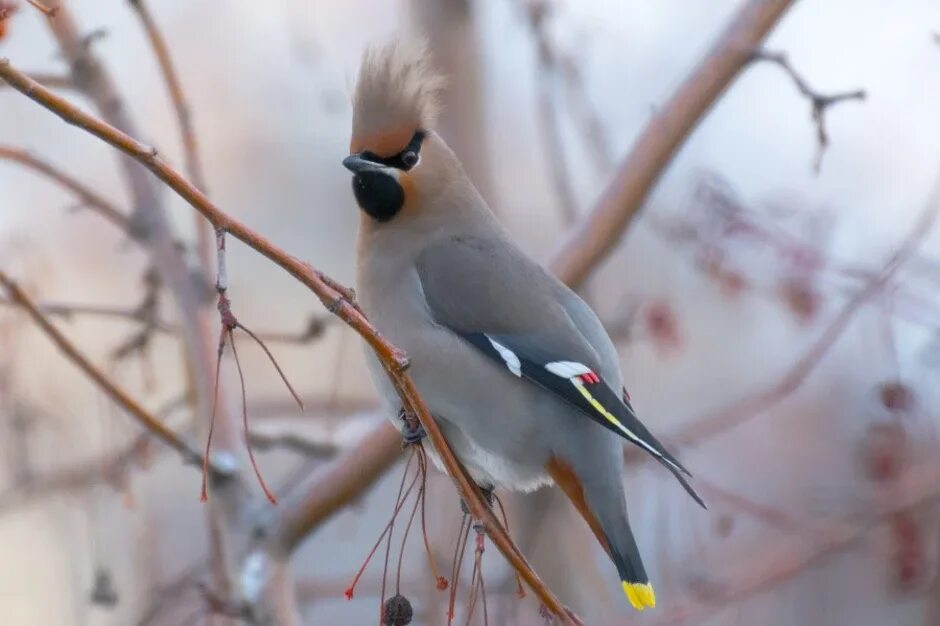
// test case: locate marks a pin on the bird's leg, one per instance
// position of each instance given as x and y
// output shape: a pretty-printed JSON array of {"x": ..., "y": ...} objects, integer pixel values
[
  {"x": 413, "y": 431},
  {"x": 486, "y": 490}
]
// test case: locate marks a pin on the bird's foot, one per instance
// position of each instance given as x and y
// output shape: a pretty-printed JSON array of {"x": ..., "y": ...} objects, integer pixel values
[
  {"x": 486, "y": 490},
  {"x": 412, "y": 432}
]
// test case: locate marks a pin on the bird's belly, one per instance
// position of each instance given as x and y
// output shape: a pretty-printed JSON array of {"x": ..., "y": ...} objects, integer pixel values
[
  {"x": 488, "y": 417},
  {"x": 490, "y": 468},
  {"x": 495, "y": 422}
]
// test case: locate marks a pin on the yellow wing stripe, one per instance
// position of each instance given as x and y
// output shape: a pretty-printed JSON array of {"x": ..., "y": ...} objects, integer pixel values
[
  {"x": 640, "y": 595},
  {"x": 579, "y": 385},
  {"x": 600, "y": 409}
]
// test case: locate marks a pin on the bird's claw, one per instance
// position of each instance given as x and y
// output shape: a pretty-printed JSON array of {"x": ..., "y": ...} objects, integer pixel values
[
  {"x": 411, "y": 436},
  {"x": 412, "y": 431}
]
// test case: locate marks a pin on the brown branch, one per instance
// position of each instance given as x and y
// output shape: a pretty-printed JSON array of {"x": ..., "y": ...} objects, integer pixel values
[
  {"x": 749, "y": 407},
  {"x": 344, "y": 480},
  {"x": 47, "y": 11},
  {"x": 597, "y": 233},
  {"x": 537, "y": 12},
  {"x": 78, "y": 476},
  {"x": 393, "y": 359},
  {"x": 312, "y": 330},
  {"x": 293, "y": 442},
  {"x": 757, "y": 573},
  {"x": 770, "y": 515},
  {"x": 819, "y": 103},
  {"x": 86, "y": 196},
  {"x": 192, "y": 162},
  {"x": 117, "y": 394},
  {"x": 150, "y": 225},
  {"x": 53, "y": 81}
]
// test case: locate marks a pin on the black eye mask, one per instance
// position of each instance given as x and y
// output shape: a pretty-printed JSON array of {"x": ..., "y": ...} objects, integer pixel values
[{"x": 404, "y": 160}]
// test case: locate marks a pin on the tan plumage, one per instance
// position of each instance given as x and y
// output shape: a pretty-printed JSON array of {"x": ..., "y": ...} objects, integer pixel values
[{"x": 396, "y": 94}]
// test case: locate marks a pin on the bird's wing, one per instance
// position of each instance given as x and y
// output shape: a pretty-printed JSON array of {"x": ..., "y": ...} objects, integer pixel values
[{"x": 507, "y": 307}]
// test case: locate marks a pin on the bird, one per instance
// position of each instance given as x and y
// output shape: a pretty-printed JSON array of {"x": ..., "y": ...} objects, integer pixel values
[{"x": 516, "y": 369}]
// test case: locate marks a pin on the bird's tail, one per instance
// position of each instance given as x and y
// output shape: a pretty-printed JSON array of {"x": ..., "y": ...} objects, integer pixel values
[
  {"x": 608, "y": 521},
  {"x": 633, "y": 579}
]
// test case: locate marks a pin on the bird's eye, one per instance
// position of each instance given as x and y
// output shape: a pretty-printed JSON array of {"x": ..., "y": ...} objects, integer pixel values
[{"x": 409, "y": 158}]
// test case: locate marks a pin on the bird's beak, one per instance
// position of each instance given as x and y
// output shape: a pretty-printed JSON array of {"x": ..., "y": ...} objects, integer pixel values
[{"x": 355, "y": 164}]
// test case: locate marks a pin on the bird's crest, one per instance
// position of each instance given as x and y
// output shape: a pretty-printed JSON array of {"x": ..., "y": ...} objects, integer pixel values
[{"x": 396, "y": 95}]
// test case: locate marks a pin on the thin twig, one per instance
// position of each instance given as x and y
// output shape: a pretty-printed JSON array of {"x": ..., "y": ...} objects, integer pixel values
[
  {"x": 87, "y": 197},
  {"x": 783, "y": 561},
  {"x": 81, "y": 475},
  {"x": 192, "y": 162},
  {"x": 121, "y": 397},
  {"x": 48, "y": 11},
  {"x": 598, "y": 232},
  {"x": 710, "y": 426},
  {"x": 151, "y": 226},
  {"x": 819, "y": 103},
  {"x": 53, "y": 81},
  {"x": 560, "y": 174},
  {"x": 312, "y": 330}
]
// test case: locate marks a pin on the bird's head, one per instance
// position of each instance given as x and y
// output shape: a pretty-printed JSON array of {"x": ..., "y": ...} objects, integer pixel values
[{"x": 395, "y": 156}]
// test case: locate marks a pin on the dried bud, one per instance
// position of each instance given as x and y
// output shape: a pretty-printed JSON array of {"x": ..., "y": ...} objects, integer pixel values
[
  {"x": 397, "y": 611},
  {"x": 662, "y": 326},
  {"x": 712, "y": 262},
  {"x": 910, "y": 555},
  {"x": 724, "y": 524},
  {"x": 103, "y": 592},
  {"x": 897, "y": 397},
  {"x": 6, "y": 10},
  {"x": 801, "y": 298},
  {"x": 885, "y": 450}
]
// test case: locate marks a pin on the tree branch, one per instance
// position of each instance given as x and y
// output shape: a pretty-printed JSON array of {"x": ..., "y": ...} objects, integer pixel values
[
  {"x": 313, "y": 329},
  {"x": 87, "y": 196},
  {"x": 820, "y": 103},
  {"x": 191, "y": 161},
  {"x": 116, "y": 393},
  {"x": 749, "y": 407},
  {"x": 394, "y": 360},
  {"x": 53, "y": 81},
  {"x": 595, "y": 235},
  {"x": 344, "y": 480},
  {"x": 786, "y": 559}
]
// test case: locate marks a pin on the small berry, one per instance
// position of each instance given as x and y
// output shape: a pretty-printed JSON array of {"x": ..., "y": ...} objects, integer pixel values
[{"x": 397, "y": 611}]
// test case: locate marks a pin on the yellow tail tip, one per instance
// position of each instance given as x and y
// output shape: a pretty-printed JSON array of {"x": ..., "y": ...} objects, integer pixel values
[{"x": 640, "y": 595}]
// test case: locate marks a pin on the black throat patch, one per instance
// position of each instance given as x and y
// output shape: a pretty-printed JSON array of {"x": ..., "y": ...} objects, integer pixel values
[{"x": 378, "y": 194}]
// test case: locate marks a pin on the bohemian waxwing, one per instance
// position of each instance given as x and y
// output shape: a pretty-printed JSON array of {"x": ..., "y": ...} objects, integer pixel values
[{"x": 518, "y": 371}]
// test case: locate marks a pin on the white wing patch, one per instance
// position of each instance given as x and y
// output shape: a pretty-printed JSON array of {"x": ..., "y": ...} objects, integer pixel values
[
  {"x": 509, "y": 357},
  {"x": 567, "y": 369}
]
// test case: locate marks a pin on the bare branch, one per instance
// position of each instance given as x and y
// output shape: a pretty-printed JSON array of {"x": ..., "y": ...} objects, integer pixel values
[
  {"x": 344, "y": 480},
  {"x": 78, "y": 476},
  {"x": 598, "y": 232},
  {"x": 537, "y": 13},
  {"x": 192, "y": 162},
  {"x": 747, "y": 408},
  {"x": 393, "y": 359},
  {"x": 312, "y": 330},
  {"x": 52, "y": 81},
  {"x": 820, "y": 103},
  {"x": 47, "y": 11},
  {"x": 87, "y": 197},
  {"x": 121, "y": 397},
  {"x": 790, "y": 557},
  {"x": 295, "y": 443}
]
